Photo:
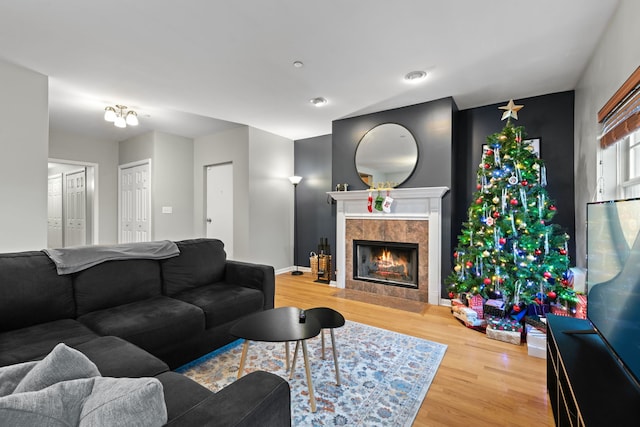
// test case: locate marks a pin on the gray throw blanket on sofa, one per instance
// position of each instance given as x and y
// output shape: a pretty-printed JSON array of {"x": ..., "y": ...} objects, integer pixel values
[{"x": 71, "y": 260}]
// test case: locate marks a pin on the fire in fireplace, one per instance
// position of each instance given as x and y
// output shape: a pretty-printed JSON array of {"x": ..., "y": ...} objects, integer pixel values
[{"x": 388, "y": 263}]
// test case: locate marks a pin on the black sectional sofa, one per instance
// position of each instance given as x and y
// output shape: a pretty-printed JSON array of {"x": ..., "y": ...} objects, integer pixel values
[{"x": 144, "y": 317}]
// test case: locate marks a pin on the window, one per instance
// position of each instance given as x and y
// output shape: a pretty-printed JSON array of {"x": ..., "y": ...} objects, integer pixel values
[{"x": 619, "y": 154}]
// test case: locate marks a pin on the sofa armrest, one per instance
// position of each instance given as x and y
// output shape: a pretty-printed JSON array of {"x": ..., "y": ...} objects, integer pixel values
[
  {"x": 256, "y": 276},
  {"x": 257, "y": 399}
]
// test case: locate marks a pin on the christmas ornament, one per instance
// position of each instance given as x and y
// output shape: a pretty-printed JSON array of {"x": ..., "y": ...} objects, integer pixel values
[
  {"x": 514, "y": 202},
  {"x": 486, "y": 281},
  {"x": 511, "y": 110},
  {"x": 457, "y": 268},
  {"x": 552, "y": 295},
  {"x": 502, "y": 240},
  {"x": 516, "y": 308},
  {"x": 546, "y": 275},
  {"x": 451, "y": 295},
  {"x": 469, "y": 264}
]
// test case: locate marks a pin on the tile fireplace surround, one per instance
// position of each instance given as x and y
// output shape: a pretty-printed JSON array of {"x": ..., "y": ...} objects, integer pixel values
[{"x": 415, "y": 217}]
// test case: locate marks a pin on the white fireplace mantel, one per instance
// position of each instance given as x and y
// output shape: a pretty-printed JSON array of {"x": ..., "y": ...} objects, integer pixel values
[{"x": 408, "y": 204}]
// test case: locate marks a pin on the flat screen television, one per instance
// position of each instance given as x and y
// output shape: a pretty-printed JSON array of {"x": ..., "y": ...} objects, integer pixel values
[{"x": 613, "y": 278}]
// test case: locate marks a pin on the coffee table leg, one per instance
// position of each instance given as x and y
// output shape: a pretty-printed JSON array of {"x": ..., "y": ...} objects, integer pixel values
[
  {"x": 312, "y": 398},
  {"x": 335, "y": 357},
  {"x": 295, "y": 356},
  {"x": 243, "y": 358},
  {"x": 286, "y": 349}
]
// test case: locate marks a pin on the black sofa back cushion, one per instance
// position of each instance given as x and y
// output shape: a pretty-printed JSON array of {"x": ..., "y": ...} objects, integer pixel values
[
  {"x": 31, "y": 291},
  {"x": 201, "y": 262},
  {"x": 114, "y": 283}
]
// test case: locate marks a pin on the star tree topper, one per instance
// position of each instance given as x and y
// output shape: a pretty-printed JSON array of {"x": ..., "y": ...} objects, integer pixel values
[{"x": 511, "y": 110}]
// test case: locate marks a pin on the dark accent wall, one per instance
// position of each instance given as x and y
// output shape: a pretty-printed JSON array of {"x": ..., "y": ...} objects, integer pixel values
[
  {"x": 549, "y": 117},
  {"x": 432, "y": 125},
  {"x": 450, "y": 149},
  {"x": 313, "y": 164}
]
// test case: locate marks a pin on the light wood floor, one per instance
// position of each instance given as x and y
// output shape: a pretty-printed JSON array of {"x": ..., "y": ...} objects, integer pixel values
[{"x": 481, "y": 382}]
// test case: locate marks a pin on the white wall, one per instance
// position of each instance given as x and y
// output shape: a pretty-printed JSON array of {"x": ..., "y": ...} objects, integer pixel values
[
  {"x": 616, "y": 57},
  {"x": 171, "y": 180},
  {"x": 24, "y": 138},
  {"x": 224, "y": 147},
  {"x": 67, "y": 146},
  {"x": 172, "y": 186},
  {"x": 271, "y": 196},
  {"x": 263, "y": 195}
]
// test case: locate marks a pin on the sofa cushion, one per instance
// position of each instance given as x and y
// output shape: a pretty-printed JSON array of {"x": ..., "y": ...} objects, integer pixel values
[
  {"x": 65, "y": 388},
  {"x": 149, "y": 324},
  {"x": 31, "y": 292},
  {"x": 116, "y": 357},
  {"x": 201, "y": 262},
  {"x": 115, "y": 283},
  {"x": 222, "y": 302},
  {"x": 124, "y": 402},
  {"x": 88, "y": 402},
  {"x": 62, "y": 364},
  {"x": 36, "y": 341}
]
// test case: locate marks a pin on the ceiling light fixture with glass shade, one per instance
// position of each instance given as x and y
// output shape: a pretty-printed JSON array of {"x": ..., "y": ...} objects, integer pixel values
[{"x": 120, "y": 116}]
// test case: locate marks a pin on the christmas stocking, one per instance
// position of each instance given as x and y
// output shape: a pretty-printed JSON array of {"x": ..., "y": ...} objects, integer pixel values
[
  {"x": 386, "y": 206},
  {"x": 370, "y": 203},
  {"x": 378, "y": 204}
]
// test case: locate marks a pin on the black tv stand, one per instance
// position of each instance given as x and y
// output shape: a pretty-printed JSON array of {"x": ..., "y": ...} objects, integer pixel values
[
  {"x": 587, "y": 386},
  {"x": 580, "y": 332}
]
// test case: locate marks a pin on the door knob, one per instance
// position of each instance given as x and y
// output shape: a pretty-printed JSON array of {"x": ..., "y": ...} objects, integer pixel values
[{"x": 209, "y": 220}]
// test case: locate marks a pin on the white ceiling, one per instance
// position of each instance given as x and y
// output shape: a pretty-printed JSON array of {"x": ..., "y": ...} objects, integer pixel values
[{"x": 193, "y": 67}]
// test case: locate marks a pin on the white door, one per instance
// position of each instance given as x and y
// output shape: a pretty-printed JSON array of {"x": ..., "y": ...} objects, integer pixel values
[
  {"x": 219, "y": 205},
  {"x": 75, "y": 212},
  {"x": 135, "y": 204},
  {"x": 54, "y": 211}
]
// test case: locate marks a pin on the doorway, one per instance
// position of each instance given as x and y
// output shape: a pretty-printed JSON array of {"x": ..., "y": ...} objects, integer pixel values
[
  {"x": 71, "y": 204},
  {"x": 134, "y": 189},
  {"x": 219, "y": 204}
]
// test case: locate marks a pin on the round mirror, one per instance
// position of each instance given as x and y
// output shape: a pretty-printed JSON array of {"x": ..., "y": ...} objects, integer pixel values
[{"x": 386, "y": 156}]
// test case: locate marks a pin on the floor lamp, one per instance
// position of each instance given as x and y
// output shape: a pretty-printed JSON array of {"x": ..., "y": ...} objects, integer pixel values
[{"x": 295, "y": 180}]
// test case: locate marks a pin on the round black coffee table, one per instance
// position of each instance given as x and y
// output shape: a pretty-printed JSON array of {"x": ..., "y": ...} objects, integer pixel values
[
  {"x": 328, "y": 319},
  {"x": 278, "y": 325}
]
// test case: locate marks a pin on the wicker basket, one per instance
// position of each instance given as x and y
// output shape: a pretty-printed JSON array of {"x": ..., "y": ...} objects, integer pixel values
[{"x": 313, "y": 262}]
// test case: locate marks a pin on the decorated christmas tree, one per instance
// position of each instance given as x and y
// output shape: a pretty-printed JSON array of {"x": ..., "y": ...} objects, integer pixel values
[{"x": 508, "y": 248}]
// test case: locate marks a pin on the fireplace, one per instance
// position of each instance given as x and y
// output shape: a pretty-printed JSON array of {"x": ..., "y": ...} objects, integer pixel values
[
  {"x": 415, "y": 217},
  {"x": 387, "y": 263}
]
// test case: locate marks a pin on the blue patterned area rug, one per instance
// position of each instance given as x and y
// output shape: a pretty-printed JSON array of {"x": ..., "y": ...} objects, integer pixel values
[{"x": 385, "y": 375}]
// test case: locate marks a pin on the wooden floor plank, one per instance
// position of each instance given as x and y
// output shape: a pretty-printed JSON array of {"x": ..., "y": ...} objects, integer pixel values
[{"x": 481, "y": 382}]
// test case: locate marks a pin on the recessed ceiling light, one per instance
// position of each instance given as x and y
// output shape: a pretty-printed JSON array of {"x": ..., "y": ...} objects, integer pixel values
[
  {"x": 298, "y": 64},
  {"x": 415, "y": 76},
  {"x": 319, "y": 101}
]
